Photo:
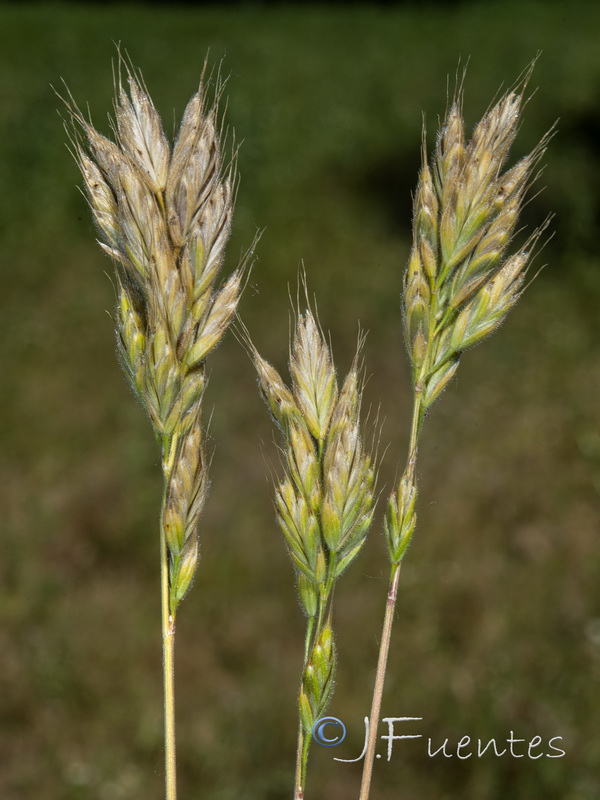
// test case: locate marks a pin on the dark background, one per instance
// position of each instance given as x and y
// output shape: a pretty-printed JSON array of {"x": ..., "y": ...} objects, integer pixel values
[{"x": 498, "y": 626}]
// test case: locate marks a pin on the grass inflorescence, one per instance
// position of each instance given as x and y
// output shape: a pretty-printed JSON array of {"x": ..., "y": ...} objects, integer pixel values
[
  {"x": 459, "y": 285},
  {"x": 164, "y": 217},
  {"x": 324, "y": 502}
]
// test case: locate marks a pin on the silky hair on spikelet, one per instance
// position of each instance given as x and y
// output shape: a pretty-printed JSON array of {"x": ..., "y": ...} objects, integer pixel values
[
  {"x": 164, "y": 216},
  {"x": 324, "y": 501}
]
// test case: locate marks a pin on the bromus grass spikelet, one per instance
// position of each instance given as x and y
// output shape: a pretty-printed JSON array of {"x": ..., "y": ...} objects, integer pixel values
[
  {"x": 459, "y": 286},
  {"x": 164, "y": 216},
  {"x": 324, "y": 501}
]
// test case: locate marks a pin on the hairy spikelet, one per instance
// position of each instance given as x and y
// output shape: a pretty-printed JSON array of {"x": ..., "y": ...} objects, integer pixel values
[
  {"x": 458, "y": 285},
  {"x": 164, "y": 216},
  {"x": 324, "y": 503}
]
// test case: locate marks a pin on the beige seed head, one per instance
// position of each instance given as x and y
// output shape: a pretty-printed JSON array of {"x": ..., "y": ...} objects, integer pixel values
[
  {"x": 141, "y": 135},
  {"x": 457, "y": 293},
  {"x": 303, "y": 463},
  {"x": 348, "y": 499},
  {"x": 313, "y": 374},
  {"x": 164, "y": 216},
  {"x": 325, "y": 503}
]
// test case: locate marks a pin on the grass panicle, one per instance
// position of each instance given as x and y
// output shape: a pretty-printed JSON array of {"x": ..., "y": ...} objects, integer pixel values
[
  {"x": 459, "y": 285},
  {"x": 324, "y": 502},
  {"x": 164, "y": 215}
]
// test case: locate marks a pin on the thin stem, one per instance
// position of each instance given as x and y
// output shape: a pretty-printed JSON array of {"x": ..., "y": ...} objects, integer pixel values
[
  {"x": 168, "y": 632},
  {"x": 301, "y": 754},
  {"x": 302, "y": 748},
  {"x": 388, "y": 620},
  {"x": 168, "y": 642},
  {"x": 415, "y": 430},
  {"x": 304, "y": 741},
  {"x": 313, "y": 633},
  {"x": 308, "y": 639},
  {"x": 384, "y": 650}
]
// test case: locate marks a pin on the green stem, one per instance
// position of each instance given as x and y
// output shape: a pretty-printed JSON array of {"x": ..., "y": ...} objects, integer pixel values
[
  {"x": 313, "y": 631},
  {"x": 168, "y": 634},
  {"x": 308, "y": 638},
  {"x": 168, "y": 643},
  {"x": 415, "y": 430},
  {"x": 301, "y": 764},
  {"x": 388, "y": 620}
]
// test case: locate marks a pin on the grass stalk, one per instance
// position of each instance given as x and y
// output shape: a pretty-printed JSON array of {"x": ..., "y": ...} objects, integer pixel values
[
  {"x": 168, "y": 617},
  {"x": 301, "y": 763},
  {"x": 300, "y": 775},
  {"x": 168, "y": 643},
  {"x": 163, "y": 212},
  {"x": 388, "y": 621},
  {"x": 324, "y": 502},
  {"x": 458, "y": 289},
  {"x": 382, "y": 660}
]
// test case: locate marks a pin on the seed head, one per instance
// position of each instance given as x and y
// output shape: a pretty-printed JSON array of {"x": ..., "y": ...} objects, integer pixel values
[
  {"x": 164, "y": 216},
  {"x": 313, "y": 374},
  {"x": 459, "y": 286},
  {"x": 325, "y": 503}
]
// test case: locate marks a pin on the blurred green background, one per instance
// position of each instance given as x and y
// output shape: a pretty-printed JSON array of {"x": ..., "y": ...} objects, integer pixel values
[{"x": 498, "y": 627}]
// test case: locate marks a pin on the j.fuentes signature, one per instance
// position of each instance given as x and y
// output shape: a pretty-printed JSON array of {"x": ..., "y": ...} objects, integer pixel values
[{"x": 331, "y": 731}]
